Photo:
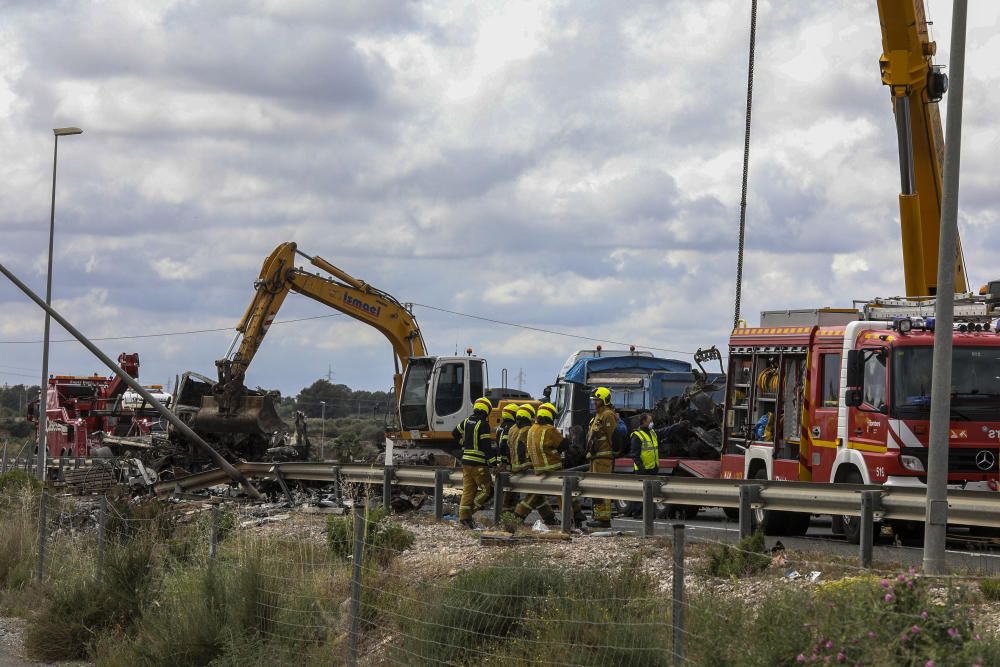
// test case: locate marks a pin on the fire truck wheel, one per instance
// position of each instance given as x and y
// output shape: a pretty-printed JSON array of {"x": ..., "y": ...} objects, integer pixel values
[
  {"x": 852, "y": 524},
  {"x": 769, "y": 521}
]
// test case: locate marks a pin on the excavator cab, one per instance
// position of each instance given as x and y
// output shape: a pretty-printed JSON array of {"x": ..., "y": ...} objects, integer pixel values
[{"x": 438, "y": 392}]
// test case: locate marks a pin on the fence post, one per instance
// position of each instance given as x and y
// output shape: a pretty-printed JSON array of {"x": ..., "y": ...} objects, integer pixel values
[
  {"x": 213, "y": 542},
  {"x": 502, "y": 479},
  {"x": 678, "y": 595},
  {"x": 102, "y": 521},
  {"x": 76, "y": 463},
  {"x": 869, "y": 499},
  {"x": 568, "y": 485},
  {"x": 748, "y": 494},
  {"x": 41, "y": 535},
  {"x": 61, "y": 460},
  {"x": 650, "y": 487},
  {"x": 387, "y": 474},
  {"x": 439, "y": 477},
  {"x": 359, "y": 550}
]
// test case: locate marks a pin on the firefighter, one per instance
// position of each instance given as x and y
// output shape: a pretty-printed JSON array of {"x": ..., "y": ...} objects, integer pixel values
[
  {"x": 502, "y": 439},
  {"x": 600, "y": 450},
  {"x": 644, "y": 449},
  {"x": 545, "y": 445},
  {"x": 518, "y": 439},
  {"x": 474, "y": 436}
]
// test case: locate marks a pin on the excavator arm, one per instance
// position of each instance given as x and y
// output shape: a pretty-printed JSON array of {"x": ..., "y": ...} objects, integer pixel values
[
  {"x": 916, "y": 85},
  {"x": 342, "y": 292}
]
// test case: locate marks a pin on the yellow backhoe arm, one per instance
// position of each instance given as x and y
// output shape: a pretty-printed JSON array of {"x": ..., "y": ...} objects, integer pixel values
[
  {"x": 916, "y": 85},
  {"x": 342, "y": 292}
]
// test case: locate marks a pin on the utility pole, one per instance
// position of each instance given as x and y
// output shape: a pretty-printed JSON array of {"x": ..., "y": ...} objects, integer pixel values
[{"x": 937, "y": 456}]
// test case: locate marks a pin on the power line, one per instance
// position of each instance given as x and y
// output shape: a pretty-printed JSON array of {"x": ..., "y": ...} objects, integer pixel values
[
  {"x": 319, "y": 317},
  {"x": 549, "y": 331},
  {"x": 166, "y": 333}
]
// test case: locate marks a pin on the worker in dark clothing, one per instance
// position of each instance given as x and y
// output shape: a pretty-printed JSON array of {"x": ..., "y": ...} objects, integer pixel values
[
  {"x": 476, "y": 440},
  {"x": 644, "y": 449},
  {"x": 503, "y": 441},
  {"x": 643, "y": 442}
]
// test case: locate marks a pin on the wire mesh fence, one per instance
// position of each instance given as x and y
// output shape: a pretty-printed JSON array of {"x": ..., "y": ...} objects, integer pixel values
[{"x": 129, "y": 581}]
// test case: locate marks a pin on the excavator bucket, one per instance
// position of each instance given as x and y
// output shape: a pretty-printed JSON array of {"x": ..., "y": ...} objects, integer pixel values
[{"x": 256, "y": 416}]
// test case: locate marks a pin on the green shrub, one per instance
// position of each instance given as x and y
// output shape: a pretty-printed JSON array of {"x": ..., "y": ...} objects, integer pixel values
[
  {"x": 382, "y": 539},
  {"x": 510, "y": 522},
  {"x": 747, "y": 558},
  {"x": 990, "y": 588},
  {"x": 17, "y": 548},
  {"x": 16, "y": 482},
  {"x": 79, "y": 609}
]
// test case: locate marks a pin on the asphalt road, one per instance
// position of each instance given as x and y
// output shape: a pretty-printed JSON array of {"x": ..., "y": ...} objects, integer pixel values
[{"x": 712, "y": 525}]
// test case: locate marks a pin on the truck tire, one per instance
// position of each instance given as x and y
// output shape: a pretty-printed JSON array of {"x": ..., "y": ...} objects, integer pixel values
[
  {"x": 769, "y": 521},
  {"x": 852, "y": 524}
]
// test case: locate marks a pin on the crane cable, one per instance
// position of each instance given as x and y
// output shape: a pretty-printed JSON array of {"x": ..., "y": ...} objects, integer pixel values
[{"x": 746, "y": 163}]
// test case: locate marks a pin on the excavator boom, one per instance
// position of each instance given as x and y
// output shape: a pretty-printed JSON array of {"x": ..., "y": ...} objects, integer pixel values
[
  {"x": 916, "y": 85},
  {"x": 231, "y": 408}
]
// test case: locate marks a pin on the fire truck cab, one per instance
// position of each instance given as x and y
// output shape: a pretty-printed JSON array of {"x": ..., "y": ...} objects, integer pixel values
[{"x": 844, "y": 396}]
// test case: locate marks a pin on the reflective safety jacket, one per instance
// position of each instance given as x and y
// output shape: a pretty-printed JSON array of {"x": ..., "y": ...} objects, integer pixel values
[
  {"x": 476, "y": 439},
  {"x": 503, "y": 440},
  {"x": 601, "y": 433},
  {"x": 645, "y": 451},
  {"x": 545, "y": 442},
  {"x": 517, "y": 441}
]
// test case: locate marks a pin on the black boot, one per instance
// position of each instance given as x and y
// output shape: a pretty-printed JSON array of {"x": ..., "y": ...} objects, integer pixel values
[
  {"x": 468, "y": 523},
  {"x": 597, "y": 524}
]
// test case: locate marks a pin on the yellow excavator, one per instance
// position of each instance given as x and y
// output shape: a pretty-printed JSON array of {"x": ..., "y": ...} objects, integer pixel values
[
  {"x": 433, "y": 393},
  {"x": 916, "y": 86}
]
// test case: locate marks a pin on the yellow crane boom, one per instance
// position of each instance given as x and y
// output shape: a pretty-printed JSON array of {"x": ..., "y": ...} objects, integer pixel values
[{"x": 916, "y": 85}]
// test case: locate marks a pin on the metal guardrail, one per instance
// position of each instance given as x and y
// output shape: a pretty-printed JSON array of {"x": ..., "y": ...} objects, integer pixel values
[{"x": 973, "y": 508}]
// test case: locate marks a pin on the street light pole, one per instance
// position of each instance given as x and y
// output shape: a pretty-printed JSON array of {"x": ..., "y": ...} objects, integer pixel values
[
  {"x": 322, "y": 442},
  {"x": 936, "y": 517},
  {"x": 43, "y": 393}
]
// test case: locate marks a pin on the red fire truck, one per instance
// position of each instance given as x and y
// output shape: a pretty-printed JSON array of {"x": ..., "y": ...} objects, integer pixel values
[
  {"x": 79, "y": 409},
  {"x": 845, "y": 397}
]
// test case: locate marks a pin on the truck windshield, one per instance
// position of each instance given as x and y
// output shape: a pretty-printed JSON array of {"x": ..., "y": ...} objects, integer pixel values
[{"x": 975, "y": 383}]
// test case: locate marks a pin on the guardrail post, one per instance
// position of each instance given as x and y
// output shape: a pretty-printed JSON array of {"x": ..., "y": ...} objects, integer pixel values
[
  {"x": 678, "y": 595},
  {"x": 61, "y": 459},
  {"x": 501, "y": 481},
  {"x": 280, "y": 476},
  {"x": 387, "y": 475},
  {"x": 102, "y": 520},
  {"x": 337, "y": 494},
  {"x": 76, "y": 463},
  {"x": 650, "y": 487},
  {"x": 568, "y": 486},
  {"x": 749, "y": 493},
  {"x": 869, "y": 501},
  {"x": 439, "y": 477}
]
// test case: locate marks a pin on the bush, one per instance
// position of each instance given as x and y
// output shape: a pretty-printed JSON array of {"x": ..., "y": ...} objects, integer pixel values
[
  {"x": 383, "y": 539},
  {"x": 748, "y": 557},
  {"x": 990, "y": 588},
  {"x": 16, "y": 482},
  {"x": 80, "y": 609}
]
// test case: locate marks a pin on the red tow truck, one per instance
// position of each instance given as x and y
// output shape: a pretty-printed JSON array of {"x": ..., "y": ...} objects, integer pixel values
[{"x": 81, "y": 409}]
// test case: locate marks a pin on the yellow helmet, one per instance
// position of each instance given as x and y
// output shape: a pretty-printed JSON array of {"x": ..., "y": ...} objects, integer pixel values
[
  {"x": 523, "y": 413},
  {"x": 603, "y": 394},
  {"x": 530, "y": 408},
  {"x": 545, "y": 413},
  {"x": 483, "y": 404},
  {"x": 509, "y": 411},
  {"x": 548, "y": 406}
]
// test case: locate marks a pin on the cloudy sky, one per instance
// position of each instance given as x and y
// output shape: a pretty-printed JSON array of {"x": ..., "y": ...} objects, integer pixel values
[{"x": 572, "y": 166}]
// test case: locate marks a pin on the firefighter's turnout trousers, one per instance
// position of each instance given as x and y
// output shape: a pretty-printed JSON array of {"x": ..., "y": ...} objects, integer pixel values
[{"x": 477, "y": 489}]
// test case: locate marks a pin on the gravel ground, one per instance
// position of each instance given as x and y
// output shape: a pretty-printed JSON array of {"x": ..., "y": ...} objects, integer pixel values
[{"x": 12, "y": 646}]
